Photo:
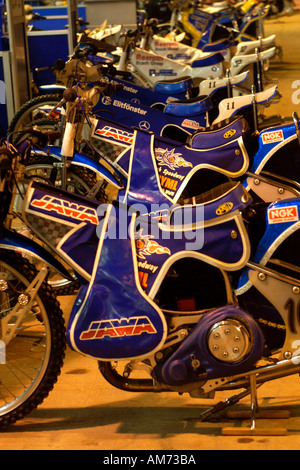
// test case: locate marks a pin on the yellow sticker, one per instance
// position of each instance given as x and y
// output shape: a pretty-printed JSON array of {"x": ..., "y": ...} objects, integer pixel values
[
  {"x": 224, "y": 208},
  {"x": 229, "y": 134}
]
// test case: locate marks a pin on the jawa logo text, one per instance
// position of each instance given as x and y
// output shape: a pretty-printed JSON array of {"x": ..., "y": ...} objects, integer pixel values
[
  {"x": 66, "y": 208},
  {"x": 117, "y": 134},
  {"x": 133, "y": 326}
]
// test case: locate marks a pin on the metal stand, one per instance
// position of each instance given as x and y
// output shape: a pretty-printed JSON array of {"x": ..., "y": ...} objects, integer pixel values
[{"x": 254, "y": 414}]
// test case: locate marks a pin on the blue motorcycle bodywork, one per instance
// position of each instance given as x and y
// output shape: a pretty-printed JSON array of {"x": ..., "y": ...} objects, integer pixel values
[
  {"x": 17, "y": 242},
  {"x": 114, "y": 309},
  {"x": 130, "y": 114},
  {"x": 123, "y": 256},
  {"x": 282, "y": 220},
  {"x": 162, "y": 93}
]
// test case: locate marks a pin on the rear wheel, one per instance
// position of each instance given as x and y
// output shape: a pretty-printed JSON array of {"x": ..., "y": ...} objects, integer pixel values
[{"x": 31, "y": 361}]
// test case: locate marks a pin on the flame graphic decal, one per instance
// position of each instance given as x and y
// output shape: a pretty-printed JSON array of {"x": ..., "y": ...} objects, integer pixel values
[
  {"x": 146, "y": 246},
  {"x": 171, "y": 159}
]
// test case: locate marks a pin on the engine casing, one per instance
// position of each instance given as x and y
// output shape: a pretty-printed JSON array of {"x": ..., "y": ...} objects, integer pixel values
[{"x": 225, "y": 342}]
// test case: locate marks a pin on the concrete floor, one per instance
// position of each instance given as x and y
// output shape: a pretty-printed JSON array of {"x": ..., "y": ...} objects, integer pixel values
[{"x": 83, "y": 412}]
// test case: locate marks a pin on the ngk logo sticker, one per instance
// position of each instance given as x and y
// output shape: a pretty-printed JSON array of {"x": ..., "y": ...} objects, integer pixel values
[
  {"x": 271, "y": 137},
  {"x": 283, "y": 214}
]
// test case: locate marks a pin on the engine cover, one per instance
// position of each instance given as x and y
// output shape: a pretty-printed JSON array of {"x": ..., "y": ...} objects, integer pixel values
[
  {"x": 225, "y": 342},
  {"x": 229, "y": 341}
]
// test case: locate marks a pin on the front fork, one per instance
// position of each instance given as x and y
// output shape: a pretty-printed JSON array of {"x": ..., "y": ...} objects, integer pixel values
[{"x": 12, "y": 319}]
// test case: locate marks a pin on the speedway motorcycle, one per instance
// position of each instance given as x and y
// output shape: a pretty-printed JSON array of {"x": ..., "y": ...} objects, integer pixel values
[
  {"x": 93, "y": 160},
  {"x": 172, "y": 47},
  {"x": 204, "y": 27},
  {"x": 148, "y": 68},
  {"x": 84, "y": 66},
  {"x": 101, "y": 146},
  {"x": 179, "y": 118},
  {"x": 87, "y": 66},
  {"x": 147, "y": 267}
]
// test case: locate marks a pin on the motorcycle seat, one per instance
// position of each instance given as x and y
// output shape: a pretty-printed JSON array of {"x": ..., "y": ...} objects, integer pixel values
[
  {"x": 215, "y": 197},
  {"x": 219, "y": 45},
  {"x": 191, "y": 107},
  {"x": 208, "y": 60},
  {"x": 178, "y": 85},
  {"x": 216, "y": 202},
  {"x": 220, "y": 133}
]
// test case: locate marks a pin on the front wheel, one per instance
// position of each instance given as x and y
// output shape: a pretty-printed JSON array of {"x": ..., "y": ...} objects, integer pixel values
[
  {"x": 31, "y": 361},
  {"x": 37, "y": 108}
]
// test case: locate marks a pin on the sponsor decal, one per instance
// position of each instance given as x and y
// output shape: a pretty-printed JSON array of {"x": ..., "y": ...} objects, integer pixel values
[
  {"x": 149, "y": 58},
  {"x": 164, "y": 45},
  {"x": 129, "y": 107},
  {"x": 162, "y": 73},
  {"x": 144, "y": 125},
  {"x": 179, "y": 56},
  {"x": 229, "y": 134},
  {"x": 106, "y": 100},
  {"x": 171, "y": 99},
  {"x": 130, "y": 89},
  {"x": 171, "y": 159},
  {"x": 192, "y": 124},
  {"x": 143, "y": 277},
  {"x": 66, "y": 208},
  {"x": 169, "y": 184},
  {"x": 172, "y": 174},
  {"x": 274, "y": 136},
  {"x": 117, "y": 134},
  {"x": 147, "y": 266},
  {"x": 224, "y": 208},
  {"x": 146, "y": 246},
  {"x": 283, "y": 214},
  {"x": 118, "y": 328}
]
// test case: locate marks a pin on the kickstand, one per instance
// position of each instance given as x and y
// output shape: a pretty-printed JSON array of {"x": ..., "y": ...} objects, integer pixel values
[
  {"x": 253, "y": 414},
  {"x": 256, "y": 413},
  {"x": 222, "y": 405}
]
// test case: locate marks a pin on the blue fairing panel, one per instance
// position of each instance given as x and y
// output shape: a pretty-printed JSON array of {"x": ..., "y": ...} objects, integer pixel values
[{"x": 15, "y": 241}]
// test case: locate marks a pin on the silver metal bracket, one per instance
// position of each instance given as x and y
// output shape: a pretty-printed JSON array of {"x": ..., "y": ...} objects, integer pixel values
[
  {"x": 11, "y": 322},
  {"x": 254, "y": 413}
]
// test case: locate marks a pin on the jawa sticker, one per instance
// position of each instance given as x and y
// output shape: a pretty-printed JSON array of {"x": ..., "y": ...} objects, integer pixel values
[
  {"x": 116, "y": 134},
  {"x": 66, "y": 208},
  {"x": 116, "y": 328}
]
